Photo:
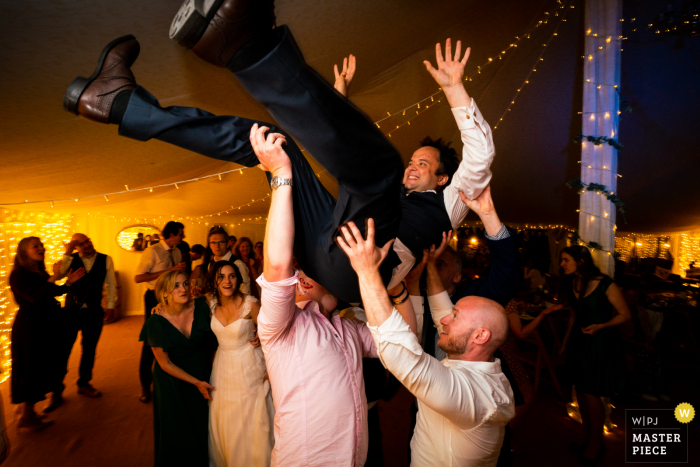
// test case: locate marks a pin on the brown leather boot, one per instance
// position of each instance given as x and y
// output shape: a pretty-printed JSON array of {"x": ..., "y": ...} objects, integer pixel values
[
  {"x": 216, "y": 29},
  {"x": 92, "y": 97}
]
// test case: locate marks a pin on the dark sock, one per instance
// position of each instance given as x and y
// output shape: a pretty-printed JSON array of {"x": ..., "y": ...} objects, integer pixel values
[
  {"x": 119, "y": 107},
  {"x": 253, "y": 51}
]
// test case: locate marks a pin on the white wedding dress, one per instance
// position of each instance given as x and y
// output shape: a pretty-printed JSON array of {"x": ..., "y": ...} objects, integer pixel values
[{"x": 241, "y": 413}]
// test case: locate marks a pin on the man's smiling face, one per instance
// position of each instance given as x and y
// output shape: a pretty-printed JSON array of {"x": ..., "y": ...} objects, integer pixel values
[{"x": 420, "y": 173}]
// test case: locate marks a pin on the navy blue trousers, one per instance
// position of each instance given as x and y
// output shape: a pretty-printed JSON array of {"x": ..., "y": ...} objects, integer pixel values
[{"x": 368, "y": 168}]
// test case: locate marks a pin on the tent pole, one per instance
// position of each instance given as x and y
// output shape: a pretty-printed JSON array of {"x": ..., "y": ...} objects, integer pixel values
[{"x": 601, "y": 83}]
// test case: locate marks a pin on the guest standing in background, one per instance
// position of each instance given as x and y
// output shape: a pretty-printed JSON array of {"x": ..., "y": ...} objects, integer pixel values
[
  {"x": 259, "y": 256},
  {"x": 84, "y": 311},
  {"x": 146, "y": 241},
  {"x": 155, "y": 261},
  {"x": 34, "y": 343},
  {"x": 244, "y": 252},
  {"x": 595, "y": 355},
  {"x": 232, "y": 240},
  {"x": 138, "y": 242},
  {"x": 241, "y": 412},
  {"x": 180, "y": 337}
]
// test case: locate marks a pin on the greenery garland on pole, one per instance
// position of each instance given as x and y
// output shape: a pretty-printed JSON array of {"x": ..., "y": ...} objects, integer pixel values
[
  {"x": 581, "y": 187},
  {"x": 575, "y": 238},
  {"x": 598, "y": 140}
]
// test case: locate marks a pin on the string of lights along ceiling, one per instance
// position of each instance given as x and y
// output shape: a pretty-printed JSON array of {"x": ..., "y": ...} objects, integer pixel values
[{"x": 414, "y": 110}]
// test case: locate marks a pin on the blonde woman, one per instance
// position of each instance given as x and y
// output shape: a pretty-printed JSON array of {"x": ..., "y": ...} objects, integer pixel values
[
  {"x": 183, "y": 344},
  {"x": 241, "y": 412}
]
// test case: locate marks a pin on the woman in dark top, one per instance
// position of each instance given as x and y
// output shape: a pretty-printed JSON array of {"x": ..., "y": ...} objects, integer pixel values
[
  {"x": 179, "y": 333},
  {"x": 34, "y": 336},
  {"x": 595, "y": 355}
]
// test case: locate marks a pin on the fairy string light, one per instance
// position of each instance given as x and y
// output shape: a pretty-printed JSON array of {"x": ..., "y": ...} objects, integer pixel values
[{"x": 533, "y": 69}]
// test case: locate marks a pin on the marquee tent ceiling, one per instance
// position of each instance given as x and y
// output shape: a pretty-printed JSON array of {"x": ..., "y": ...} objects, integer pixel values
[{"x": 48, "y": 153}]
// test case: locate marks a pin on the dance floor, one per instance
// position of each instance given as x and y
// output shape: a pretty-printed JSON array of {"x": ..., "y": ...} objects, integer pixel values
[{"x": 117, "y": 429}]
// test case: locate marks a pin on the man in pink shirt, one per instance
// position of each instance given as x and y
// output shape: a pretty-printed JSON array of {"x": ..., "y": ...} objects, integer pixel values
[{"x": 314, "y": 358}]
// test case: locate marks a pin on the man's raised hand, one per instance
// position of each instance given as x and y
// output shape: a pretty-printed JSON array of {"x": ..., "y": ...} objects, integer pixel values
[
  {"x": 449, "y": 72},
  {"x": 434, "y": 253},
  {"x": 364, "y": 255},
  {"x": 269, "y": 150},
  {"x": 344, "y": 78},
  {"x": 482, "y": 204}
]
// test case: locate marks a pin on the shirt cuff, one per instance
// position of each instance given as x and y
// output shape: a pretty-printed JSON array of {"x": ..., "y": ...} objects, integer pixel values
[
  {"x": 465, "y": 116},
  {"x": 283, "y": 283},
  {"x": 394, "y": 331},
  {"x": 503, "y": 233}
]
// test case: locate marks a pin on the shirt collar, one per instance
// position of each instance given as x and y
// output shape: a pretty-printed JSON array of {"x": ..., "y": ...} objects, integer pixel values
[
  {"x": 226, "y": 257},
  {"x": 482, "y": 367},
  {"x": 165, "y": 245}
]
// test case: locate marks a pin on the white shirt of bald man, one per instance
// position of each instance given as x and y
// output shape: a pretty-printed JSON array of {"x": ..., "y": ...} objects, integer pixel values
[{"x": 463, "y": 407}]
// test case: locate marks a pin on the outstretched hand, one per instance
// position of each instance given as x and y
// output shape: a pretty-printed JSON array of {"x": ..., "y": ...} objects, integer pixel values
[
  {"x": 433, "y": 252},
  {"x": 449, "y": 72},
  {"x": 269, "y": 150},
  {"x": 482, "y": 204},
  {"x": 365, "y": 256},
  {"x": 344, "y": 78}
]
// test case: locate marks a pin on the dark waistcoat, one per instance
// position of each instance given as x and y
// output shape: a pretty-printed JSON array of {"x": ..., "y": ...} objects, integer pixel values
[
  {"x": 423, "y": 221},
  {"x": 89, "y": 288}
]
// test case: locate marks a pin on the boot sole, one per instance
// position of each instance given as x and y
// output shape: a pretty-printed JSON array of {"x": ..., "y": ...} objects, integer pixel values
[
  {"x": 79, "y": 84},
  {"x": 191, "y": 21}
]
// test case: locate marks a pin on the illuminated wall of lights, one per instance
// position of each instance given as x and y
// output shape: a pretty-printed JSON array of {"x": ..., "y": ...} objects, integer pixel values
[
  {"x": 642, "y": 246},
  {"x": 54, "y": 230},
  {"x": 688, "y": 251}
]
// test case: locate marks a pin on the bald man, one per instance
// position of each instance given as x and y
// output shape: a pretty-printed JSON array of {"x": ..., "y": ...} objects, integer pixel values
[
  {"x": 84, "y": 311},
  {"x": 465, "y": 401}
]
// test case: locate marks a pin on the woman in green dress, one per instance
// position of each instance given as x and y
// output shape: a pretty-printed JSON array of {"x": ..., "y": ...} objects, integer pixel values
[
  {"x": 595, "y": 354},
  {"x": 180, "y": 335}
]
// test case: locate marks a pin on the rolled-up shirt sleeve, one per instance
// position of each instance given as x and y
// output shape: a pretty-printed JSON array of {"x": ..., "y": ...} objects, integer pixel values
[
  {"x": 435, "y": 385},
  {"x": 277, "y": 308},
  {"x": 474, "y": 172},
  {"x": 440, "y": 306}
]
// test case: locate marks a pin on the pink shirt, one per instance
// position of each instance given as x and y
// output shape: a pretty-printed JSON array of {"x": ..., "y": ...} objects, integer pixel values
[{"x": 315, "y": 370}]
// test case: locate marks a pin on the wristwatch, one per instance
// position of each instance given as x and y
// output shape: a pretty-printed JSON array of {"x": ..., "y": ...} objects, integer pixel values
[{"x": 277, "y": 182}]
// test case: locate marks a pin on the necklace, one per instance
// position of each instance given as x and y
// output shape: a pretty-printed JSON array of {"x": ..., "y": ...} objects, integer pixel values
[{"x": 171, "y": 320}]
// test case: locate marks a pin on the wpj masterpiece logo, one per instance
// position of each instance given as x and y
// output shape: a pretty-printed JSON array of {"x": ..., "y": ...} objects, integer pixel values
[{"x": 657, "y": 435}]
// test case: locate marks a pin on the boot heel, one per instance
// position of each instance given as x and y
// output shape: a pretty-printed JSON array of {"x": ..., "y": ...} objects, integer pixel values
[
  {"x": 192, "y": 20},
  {"x": 73, "y": 93}
]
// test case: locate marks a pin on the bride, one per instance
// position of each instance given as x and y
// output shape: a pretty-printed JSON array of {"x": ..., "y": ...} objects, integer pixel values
[{"x": 241, "y": 411}]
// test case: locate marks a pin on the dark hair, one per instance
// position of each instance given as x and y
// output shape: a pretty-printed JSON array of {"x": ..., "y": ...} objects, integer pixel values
[
  {"x": 197, "y": 248},
  {"x": 456, "y": 259},
  {"x": 172, "y": 228},
  {"x": 447, "y": 162},
  {"x": 233, "y": 237},
  {"x": 213, "y": 273},
  {"x": 139, "y": 235},
  {"x": 208, "y": 254},
  {"x": 217, "y": 230},
  {"x": 258, "y": 243},
  {"x": 585, "y": 267}
]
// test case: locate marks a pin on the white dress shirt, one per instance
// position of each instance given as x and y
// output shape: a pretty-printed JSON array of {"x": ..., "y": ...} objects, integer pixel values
[
  {"x": 463, "y": 407},
  {"x": 472, "y": 176},
  {"x": 245, "y": 277},
  {"x": 156, "y": 258},
  {"x": 110, "y": 279}
]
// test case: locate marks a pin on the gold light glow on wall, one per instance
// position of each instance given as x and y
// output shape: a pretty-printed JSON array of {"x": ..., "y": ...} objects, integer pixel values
[
  {"x": 688, "y": 251},
  {"x": 54, "y": 230}
]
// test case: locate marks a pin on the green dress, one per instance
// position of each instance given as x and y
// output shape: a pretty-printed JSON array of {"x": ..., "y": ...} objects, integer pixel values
[
  {"x": 596, "y": 363},
  {"x": 180, "y": 412}
]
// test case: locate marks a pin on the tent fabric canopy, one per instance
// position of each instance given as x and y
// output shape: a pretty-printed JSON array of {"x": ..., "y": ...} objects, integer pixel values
[{"x": 51, "y": 154}]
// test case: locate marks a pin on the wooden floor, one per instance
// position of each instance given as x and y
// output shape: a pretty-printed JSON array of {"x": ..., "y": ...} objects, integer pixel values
[{"x": 117, "y": 430}]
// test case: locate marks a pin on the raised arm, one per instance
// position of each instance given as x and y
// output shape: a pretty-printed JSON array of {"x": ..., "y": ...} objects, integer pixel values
[
  {"x": 438, "y": 298},
  {"x": 279, "y": 231},
  {"x": 397, "y": 345},
  {"x": 474, "y": 172},
  {"x": 502, "y": 281},
  {"x": 279, "y": 278}
]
